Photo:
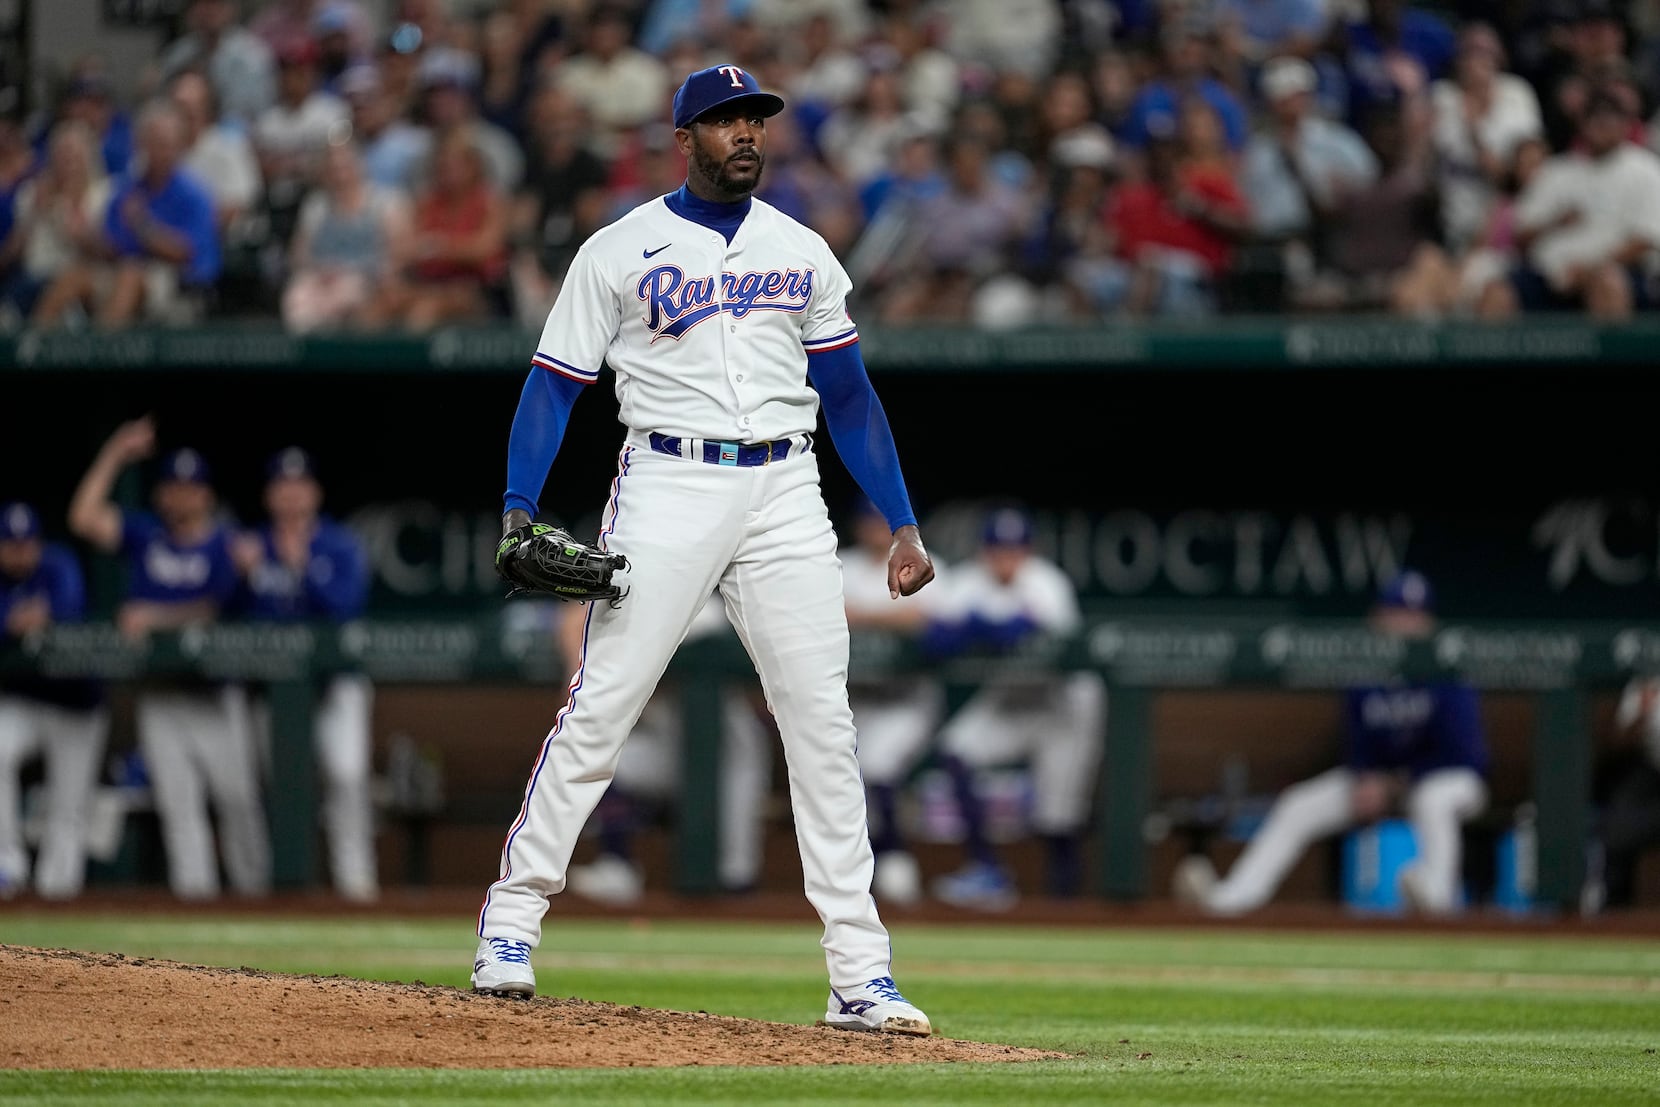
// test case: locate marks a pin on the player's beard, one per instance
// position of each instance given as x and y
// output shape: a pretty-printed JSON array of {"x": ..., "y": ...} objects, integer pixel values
[{"x": 715, "y": 171}]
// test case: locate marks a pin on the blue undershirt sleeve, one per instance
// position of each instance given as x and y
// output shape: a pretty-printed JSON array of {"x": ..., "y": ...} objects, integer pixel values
[
  {"x": 538, "y": 427},
  {"x": 859, "y": 428}
]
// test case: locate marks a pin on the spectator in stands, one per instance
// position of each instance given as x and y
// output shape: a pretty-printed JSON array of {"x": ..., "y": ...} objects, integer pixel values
[
  {"x": 1113, "y": 82},
  {"x": 161, "y": 243},
  {"x": 1301, "y": 167},
  {"x": 194, "y": 735},
  {"x": 281, "y": 24},
  {"x": 17, "y": 159},
  {"x": 1071, "y": 242},
  {"x": 930, "y": 78},
  {"x": 60, "y": 219},
  {"x": 1174, "y": 229},
  {"x": 449, "y": 86},
  {"x": 1392, "y": 56},
  {"x": 1588, "y": 225},
  {"x": 292, "y": 135},
  {"x": 398, "y": 65},
  {"x": 1254, "y": 31},
  {"x": 89, "y": 99},
  {"x": 353, "y": 237},
  {"x": 967, "y": 232},
  {"x": 621, "y": 87},
  {"x": 896, "y": 716},
  {"x": 394, "y": 149},
  {"x": 303, "y": 566},
  {"x": 1416, "y": 744},
  {"x": 827, "y": 74},
  {"x": 859, "y": 139},
  {"x": 237, "y": 62},
  {"x": 1187, "y": 58},
  {"x": 62, "y": 721},
  {"x": 331, "y": 30},
  {"x": 1068, "y": 109},
  {"x": 1595, "y": 54},
  {"x": 1378, "y": 231},
  {"x": 504, "y": 85},
  {"x": 459, "y": 256},
  {"x": 1020, "y": 36},
  {"x": 218, "y": 156},
  {"x": 1481, "y": 115},
  {"x": 1626, "y": 820},
  {"x": 564, "y": 200},
  {"x": 1008, "y": 595}
]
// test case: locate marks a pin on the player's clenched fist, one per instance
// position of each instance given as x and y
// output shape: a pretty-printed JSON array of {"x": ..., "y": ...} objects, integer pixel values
[{"x": 909, "y": 566}]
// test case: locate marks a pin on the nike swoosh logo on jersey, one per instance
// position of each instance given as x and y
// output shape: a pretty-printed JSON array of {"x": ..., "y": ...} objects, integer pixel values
[{"x": 653, "y": 253}]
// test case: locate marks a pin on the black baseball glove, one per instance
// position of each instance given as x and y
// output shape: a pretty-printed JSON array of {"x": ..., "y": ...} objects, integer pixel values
[{"x": 543, "y": 560}]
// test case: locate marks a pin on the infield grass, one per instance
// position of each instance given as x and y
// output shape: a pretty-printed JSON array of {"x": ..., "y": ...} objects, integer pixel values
[{"x": 1191, "y": 1017}]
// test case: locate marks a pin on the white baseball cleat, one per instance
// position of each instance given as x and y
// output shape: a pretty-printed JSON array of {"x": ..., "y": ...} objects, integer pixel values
[
  {"x": 876, "y": 1007},
  {"x": 898, "y": 879},
  {"x": 609, "y": 880},
  {"x": 1194, "y": 880},
  {"x": 502, "y": 968}
]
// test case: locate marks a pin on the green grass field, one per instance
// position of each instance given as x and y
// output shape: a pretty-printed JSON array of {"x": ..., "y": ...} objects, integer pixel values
[{"x": 1179, "y": 1016}]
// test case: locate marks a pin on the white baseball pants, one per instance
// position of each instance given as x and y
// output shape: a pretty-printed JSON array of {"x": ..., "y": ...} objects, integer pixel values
[
  {"x": 1437, "y": 806},
  {"x": 70, "y": 743},
  {"x": 896, "y": 721},
  {"x": 1057, "y": 726},
  {"x": 763, "y": 536},
  {"x": 198, "y": 748},
  {"x": 340, "y": 735},
  {"x": 650, "y": 765}
]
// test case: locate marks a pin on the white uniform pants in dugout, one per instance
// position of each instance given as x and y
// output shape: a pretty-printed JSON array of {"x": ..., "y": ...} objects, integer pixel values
[
  {"x": 69, "y": 742},
  {"x": 198, "y": 749},
  {"x": 1437, "y": 806},
  {"x": 763, "y": 536}
]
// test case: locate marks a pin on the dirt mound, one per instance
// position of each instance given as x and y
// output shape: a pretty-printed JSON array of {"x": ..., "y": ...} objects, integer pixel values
[{"x": 63, "y": 1010}]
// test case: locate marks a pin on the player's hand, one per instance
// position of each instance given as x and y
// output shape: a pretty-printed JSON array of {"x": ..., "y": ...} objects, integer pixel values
[
  {"x": 909, "y": 566},
  {"x": 248, "y": 552},
  {"x": 133, "y": 441},
  {"x": 29, "y": 616}
]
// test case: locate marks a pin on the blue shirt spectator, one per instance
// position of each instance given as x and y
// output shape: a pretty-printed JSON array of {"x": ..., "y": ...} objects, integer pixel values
[
  {"x": 179, "y": 203},
  {"x": 1395, "y": 53},
  {"x": 1157, "y": 108}
]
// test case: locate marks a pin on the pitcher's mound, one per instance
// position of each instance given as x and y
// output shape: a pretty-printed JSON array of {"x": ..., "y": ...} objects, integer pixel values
[{"x": 63, "y": 1010}]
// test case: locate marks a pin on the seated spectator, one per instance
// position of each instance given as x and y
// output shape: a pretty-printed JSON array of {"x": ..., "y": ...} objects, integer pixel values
[
  {"x": 965, "y": 234},
  {"x": 449, "y": 84},
  {"x": 1301, "y": 166},
  {"x": 1377, "y": 231},
  {"x": 564, "y": 201},
  {"x": 459, "y": 255},
  {"x": 219, "y": 156},
  {"x": 859, "y": 139},
  {"x": 292, "y": 135},
  {"x": 1593, "y": 45},
  {"x": 161, "y": 243},
  {"x": 90, "y": 100},
  {"x": 17, "y": 159},
  {"x": 1114, "y": 84},
  {"x": 394, "y": 149},
  {"x": 337, "y": 51},
  {"x": 1187, "y": 58},
  {"x": 1071, "y": 240},
  {"x": 1068, "y": 109},
  {"x": 352, "y": 237},
  {"x": 1588, "y": 225},
  {"x": 1174, "y": 228},
  {"x": 1255, "y": 30},
  {"x": 826, "y": 73},
  {"x": 1480, "y": 116},
  {"x": 60, "y": 218},
  {"x": 621, "y": 86},
  {"x": 237, "y": 62},
  {"x": 1392, "y": 56},
  {"x": 283, "y": 23},
  {"x": 930, "y": 77},
  {"x": 504, "y": 85}
]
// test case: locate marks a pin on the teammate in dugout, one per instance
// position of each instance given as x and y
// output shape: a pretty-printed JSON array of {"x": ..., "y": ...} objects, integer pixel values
[
  {"x": 726, "y": 324},
  {"x": 1053, "y": 722},
  {"x": 194, "y": 734},
  {"x": 63, "y": 721},
  {"x": 303, "y": 565},
  {"x": 1421, "y": 744}
]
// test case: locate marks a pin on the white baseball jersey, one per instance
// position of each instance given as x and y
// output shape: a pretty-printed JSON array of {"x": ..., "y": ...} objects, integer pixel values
[
  {"x": 707, "y": 340},
  {"x": 1040, "y": 591}
]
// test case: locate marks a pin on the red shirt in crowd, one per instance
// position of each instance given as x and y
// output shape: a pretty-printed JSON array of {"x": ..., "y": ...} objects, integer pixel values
[
  {"x": 1141, "y": 214},
  {"x": 460, "y": 216}
]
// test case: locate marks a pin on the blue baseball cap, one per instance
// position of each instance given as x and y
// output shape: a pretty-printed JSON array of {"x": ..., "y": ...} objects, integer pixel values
[
  {"x": 1407, "y": 590},
  {"x": 18, "y": 522},
  {"x": 185, "y": 465},
  {"x": 1007, "y": 526},
  {"x": 708, "y": 89},
  {"x": 292, "y": 463}
]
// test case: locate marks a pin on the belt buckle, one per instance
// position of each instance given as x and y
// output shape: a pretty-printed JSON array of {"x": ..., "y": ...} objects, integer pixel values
[{"x": 766, "y": 456}]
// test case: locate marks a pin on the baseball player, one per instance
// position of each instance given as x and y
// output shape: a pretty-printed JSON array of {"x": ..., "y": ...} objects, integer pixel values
[
  {"x": 649, "y": 766},
  {"x": 896, "y": 717},
  {"x": 194, "y": 735},
  {"x": 304, "y": 566},
  {"x": 726, "y": 325},
  {"x": 63, "y": 721},
  {"x": 1420, "y": 742},
  {"x": 1055, "y": 723}
]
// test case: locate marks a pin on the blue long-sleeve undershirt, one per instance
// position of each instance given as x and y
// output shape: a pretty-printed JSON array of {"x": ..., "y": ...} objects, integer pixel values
[
  {"x": 859, "y": 428},
  {"x": 538, "y": 428}
]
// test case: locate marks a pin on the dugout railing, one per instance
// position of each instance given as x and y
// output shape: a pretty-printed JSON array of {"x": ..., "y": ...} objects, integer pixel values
[{"x": 1559, "y": 665}]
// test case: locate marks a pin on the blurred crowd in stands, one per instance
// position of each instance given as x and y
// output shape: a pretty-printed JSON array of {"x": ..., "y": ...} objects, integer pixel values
[{"x": 410, "y": 163}]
